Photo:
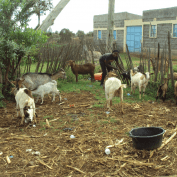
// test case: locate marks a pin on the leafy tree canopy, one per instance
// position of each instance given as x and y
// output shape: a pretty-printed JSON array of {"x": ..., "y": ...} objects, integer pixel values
[
  {"x": 66, "y": 34},
  {"x": 80, "y": 33}
]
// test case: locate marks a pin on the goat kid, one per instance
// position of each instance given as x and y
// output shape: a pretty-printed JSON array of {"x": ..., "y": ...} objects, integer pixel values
[
  {"x": 162, "y": 90},
  {"x": 126, "y": 74},
  {"x": 140, "y": 80},
  {"x": 87, "y": 68},
  {"x": 27, "y": 111},
  {"x": 113, "y": 87},
  {"x": 50, "y": 87},
  {"x": 23, "y": 98}
]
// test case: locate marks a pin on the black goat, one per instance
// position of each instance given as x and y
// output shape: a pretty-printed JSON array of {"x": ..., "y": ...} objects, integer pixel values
[{"x": 126, "y": 76}]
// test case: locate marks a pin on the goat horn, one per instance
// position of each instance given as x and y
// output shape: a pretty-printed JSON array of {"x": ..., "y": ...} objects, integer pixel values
[{"x": 10, "y": 82}]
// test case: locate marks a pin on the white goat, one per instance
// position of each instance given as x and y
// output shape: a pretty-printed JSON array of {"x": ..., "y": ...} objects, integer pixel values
[
  {"x": 113, "y": 87},
  {"x": 50, "y": 87},
  {"x": 24, "y": 98},
  {"x": 140, "y": 80}
]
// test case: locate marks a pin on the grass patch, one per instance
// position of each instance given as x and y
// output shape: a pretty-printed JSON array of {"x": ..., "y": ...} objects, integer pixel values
[{"x": 45, "y": 117}]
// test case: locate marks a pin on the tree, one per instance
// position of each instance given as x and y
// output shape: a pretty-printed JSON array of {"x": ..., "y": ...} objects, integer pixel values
[
  {"x": 65, "y": 35},
  {"x": 40, "y": 7},
  {"x": 80, "y": 34},
  {"x": 16, "y": 40},
  {"x": 90, "y": 34}
]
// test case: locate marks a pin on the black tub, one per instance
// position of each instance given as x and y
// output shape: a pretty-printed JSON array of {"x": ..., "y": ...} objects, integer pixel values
[{"x": 147, "y": 137}]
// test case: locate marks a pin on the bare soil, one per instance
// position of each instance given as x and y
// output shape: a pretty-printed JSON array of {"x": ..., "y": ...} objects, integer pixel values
[{"x": 93, "y": 130}]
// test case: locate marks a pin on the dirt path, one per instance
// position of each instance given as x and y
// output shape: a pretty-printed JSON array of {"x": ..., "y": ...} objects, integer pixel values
[{"x": 93, "y": 130}]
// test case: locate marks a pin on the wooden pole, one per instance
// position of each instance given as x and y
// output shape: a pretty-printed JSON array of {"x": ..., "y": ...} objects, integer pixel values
[
  {"x": 170, "y": 60},
  {"x": 162, "y": 64},
  {"x": 157, "y": 63},
  {"x": 53, "y": 14},
  {"x": 165, "y": 59},
  {"x": 149, "y": 61},
  {"x": 109, "y": 41},
  {"x": 130, "y": 60}
]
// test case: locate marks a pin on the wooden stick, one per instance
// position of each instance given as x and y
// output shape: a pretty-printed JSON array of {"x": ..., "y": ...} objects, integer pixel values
[
  {"x": 61, "y": 103},
  {"x": 56, "y": 149},
  {"x": 166, "y": 142},
  {"x": 7, "y": 159},
  {"x": 47, "y": 124},
  {"x": 54, "y": 120},
  {"x": 43, "y": 163},
  {"x": 133, "y": 162},
  {"x": 152, "y": 152},
  {"x": 18, "y": 138},
  {"x": 33, "y": 166},
  {"x": 76, "y": 169}
]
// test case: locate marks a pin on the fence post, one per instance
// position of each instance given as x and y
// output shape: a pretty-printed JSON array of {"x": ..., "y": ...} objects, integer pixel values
[
  {"x": 131, "y": 64},
  {"x": 161, "y": 68},
  {"x": 157, "y": 63},
  {"x": 149, "y": 61},
  {"x": 170, "y": 60},
  {"x": 165, "y": 58}
]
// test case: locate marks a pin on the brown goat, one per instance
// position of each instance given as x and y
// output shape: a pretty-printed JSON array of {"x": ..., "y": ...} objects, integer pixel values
[
  {"x": 174, "y": 76},
  {"x": 175, "y": 92},
  {"x": 162, "y": 90},
  {"x": 87, "y": 68}
]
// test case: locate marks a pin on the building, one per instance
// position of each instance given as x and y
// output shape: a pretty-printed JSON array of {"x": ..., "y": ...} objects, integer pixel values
[{"x": 134, "y": 30}]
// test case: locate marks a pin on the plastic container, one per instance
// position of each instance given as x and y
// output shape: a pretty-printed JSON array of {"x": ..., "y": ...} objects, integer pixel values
[
  {"x": 147, "y": 137},
  {"x": 98, "y": 76}
]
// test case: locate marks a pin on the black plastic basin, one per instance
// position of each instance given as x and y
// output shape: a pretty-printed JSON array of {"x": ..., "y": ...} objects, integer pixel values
[{"x": 147, "y": 137}]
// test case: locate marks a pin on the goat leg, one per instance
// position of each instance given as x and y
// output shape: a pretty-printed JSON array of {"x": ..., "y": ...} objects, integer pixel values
[
  {"x": 59, "y": 96},
  {"x": 76, "y": 77},
  {"x": 110, "y": 102},
  {"x": 22, "y": 120},
  {"x": 37, "y": 99},
  {"x": 144, "y": 91},
  {"x": 107, "y": 103},
  {"x": 122, "y": 107},
  {"x": 164, "y": 96},
  {"x": 53, "y": 95},
  {"x": 139, "y": 92},
  {"x": 42, "y": 98}
]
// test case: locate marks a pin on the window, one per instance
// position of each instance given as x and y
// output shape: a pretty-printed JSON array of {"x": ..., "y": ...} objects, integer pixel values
[
  {"x": 153, "y": 31},
  {"x": 99, "y": 34},
  {"x": 114, "y": 34},
  {"x": 175, "y": 30}
]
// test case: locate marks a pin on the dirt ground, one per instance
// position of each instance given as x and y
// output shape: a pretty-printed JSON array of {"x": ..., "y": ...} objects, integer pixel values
[{"x": 94, "y": 130}]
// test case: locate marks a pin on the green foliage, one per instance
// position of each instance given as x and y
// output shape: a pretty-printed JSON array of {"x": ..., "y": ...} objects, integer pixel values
[
  {"x": 65, "y": 35},
  {"x": 16, "y": 40},
  {"x": 80, "y": 34},
  {"x": 90, "y": 34},
  {"x": 28, "y": 37}
]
